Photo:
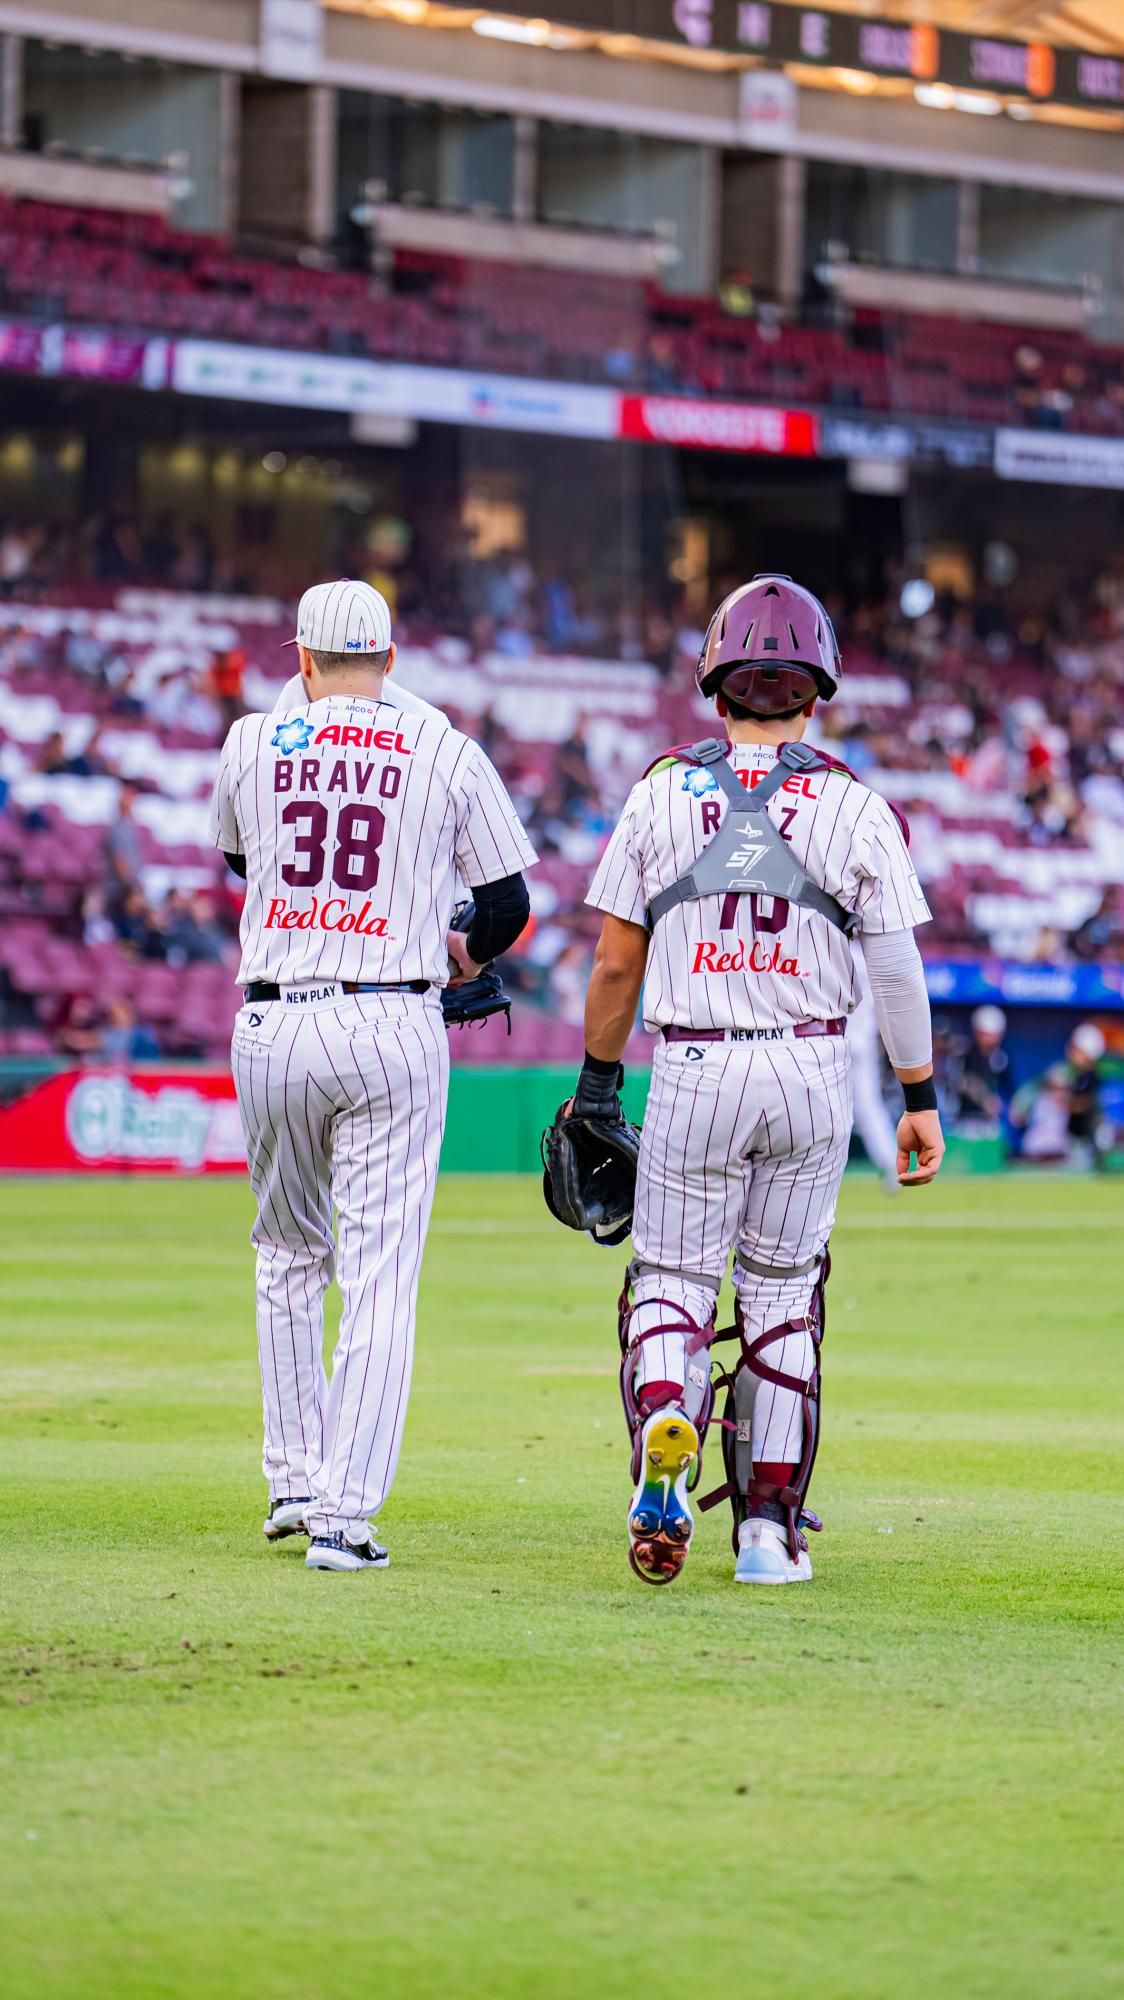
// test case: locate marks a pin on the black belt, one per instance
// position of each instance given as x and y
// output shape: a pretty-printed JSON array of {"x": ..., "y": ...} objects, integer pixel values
[{"x": 264, "y": 989}]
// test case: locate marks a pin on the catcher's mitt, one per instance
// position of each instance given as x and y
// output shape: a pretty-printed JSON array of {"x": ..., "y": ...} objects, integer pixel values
[
  {"x": 473, "y": 999},
  {"x": 589, "y": 1173}
]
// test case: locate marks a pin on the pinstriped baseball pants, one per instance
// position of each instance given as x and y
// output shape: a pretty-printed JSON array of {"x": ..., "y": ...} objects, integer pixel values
[
  {"x": 743, "y": 1147},
  {"x": 342, "y": 1102}
]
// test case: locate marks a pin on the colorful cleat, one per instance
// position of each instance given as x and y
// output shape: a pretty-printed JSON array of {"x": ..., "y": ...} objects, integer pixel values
[
  {"x": 286, "y": 1517},
  {"x": 660, "y": 1523},
  {"x": 764, "y": 1555},
  {"x": 334, "y": 1551}
]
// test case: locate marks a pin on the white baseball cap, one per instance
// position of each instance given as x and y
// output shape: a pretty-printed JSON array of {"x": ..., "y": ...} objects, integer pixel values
[
  {"x": 1088, "y": 1041},
  {"x": 343, "y": 617},
  {"x": 990, "y": 1020}
]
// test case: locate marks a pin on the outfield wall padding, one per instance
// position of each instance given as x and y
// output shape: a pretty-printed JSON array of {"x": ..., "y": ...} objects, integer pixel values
[{"x": 162, "y": 1119}]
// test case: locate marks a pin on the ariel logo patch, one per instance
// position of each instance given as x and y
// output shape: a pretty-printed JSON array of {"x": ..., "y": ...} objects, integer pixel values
[
  {"x": 698, "y": 781},
  {"x": 289, "y": 737}
]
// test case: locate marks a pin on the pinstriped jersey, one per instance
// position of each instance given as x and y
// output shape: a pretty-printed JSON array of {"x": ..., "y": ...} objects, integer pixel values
[
  {"x": 755, "y": 961},
  {"x": 354, "y": 818}
]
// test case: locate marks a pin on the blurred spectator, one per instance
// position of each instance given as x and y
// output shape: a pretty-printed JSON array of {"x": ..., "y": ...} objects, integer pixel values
[
  {"x": 1040, "y": 1111},
  {"x": 1101, "y": 936},
  {"x": 124, "y": 1039},
  {"x": 226, "y": 681},
  {"x": 189, "y": 931},
  {"x": 97, "y": 927},
  {"x": 51, "y": 760},
  {"x": 17, "y": 550},
  {"x": 78, "y": 1031},
  {"x": 1084, "y": 1052},
  {"x": 90, "y": 762},
  {"x": 137, "y": 927},
  {"x": 121, "y": 843},
  {"x": 735, "y": 293},
  {"x": 981, "y": 1085}
]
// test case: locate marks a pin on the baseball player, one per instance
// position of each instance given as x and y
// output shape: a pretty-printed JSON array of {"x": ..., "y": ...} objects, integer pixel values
[
  {"x": 730, "y": 889},
  {"x": 350, "y": 819}
]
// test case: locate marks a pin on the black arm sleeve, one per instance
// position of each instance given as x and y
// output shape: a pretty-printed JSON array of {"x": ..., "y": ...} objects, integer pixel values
[
  {"x": 502, "y": 909},
  {"x": 235, "y": 862}
]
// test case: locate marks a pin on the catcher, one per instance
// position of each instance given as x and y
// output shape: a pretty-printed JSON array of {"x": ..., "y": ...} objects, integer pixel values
[{"x": 740, "y": 871}]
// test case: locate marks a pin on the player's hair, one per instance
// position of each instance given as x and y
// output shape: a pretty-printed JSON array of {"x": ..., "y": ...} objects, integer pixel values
[{"x": 374, "y": 663}]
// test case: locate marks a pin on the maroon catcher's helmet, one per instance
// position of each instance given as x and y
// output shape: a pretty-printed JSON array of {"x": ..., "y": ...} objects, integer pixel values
[{"x": 770, "y": 647}]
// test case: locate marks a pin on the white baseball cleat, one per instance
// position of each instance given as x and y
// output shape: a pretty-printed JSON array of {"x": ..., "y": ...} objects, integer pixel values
[
  {"x": 286, "y": 1517},
  {"x": 763, "y": 1555},
  {"x": 336, "y": 1552}
]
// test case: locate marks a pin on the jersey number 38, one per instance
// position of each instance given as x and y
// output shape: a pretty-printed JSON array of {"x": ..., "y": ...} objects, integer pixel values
[{"x": 355, "y": 855}]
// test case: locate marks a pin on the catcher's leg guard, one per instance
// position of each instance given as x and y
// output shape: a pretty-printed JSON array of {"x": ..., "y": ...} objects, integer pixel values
[
  {"x": 667, "y": 1403},
  {"x": 771, "y": 1422}
]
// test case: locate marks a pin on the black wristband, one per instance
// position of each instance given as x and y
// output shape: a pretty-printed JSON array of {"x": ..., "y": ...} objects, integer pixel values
[
  {"x": 597, "y": 1066},
  {"x": 596, "y": 1094},
  {"x": 921, "y": 1096}
]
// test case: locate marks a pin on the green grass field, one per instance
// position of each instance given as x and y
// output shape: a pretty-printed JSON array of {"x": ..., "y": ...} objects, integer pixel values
[{"x": 504, "y": 1767}]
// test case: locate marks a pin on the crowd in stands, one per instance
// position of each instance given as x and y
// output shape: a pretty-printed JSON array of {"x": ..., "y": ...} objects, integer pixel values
[
  {"x": 137, "y": 274},
  {"x": 500, "y": 602},
  {"x": 998, "y": 731}
]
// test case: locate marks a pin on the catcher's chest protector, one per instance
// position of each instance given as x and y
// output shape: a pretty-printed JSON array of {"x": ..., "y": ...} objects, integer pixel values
[{"x": 747, "y": 855}]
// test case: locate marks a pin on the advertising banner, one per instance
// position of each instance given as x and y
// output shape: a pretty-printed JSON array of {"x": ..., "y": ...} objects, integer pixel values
[
  {"x": 117, "y": 1121},
  {"x": 83, "y": 353},
  {"x": 968, "y": 981},
  {"x": 900, "y": 439},
  {"x": 1055, "y": 458},
  {"x": 710, "y": 426},
  {"x": 393, "y": 389}
]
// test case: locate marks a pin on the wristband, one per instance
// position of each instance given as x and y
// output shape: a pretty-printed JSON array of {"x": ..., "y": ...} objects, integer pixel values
[
  {"x": 921, "y": 1096},
  {"x": 596, "y": 1094}
]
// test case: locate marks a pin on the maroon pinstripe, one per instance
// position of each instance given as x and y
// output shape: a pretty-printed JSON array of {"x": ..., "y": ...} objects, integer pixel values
[
  {"x": 743, "y": 1147},
  {"x": 379, "y": 1063}
]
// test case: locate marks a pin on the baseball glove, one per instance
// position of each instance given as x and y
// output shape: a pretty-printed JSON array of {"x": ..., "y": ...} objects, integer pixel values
[
  {"x": 473, "y": 999},
  {"x": 589, "y": 1173}
]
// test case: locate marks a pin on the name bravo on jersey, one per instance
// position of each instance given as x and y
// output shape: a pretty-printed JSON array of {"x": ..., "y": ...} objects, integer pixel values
[{"x": 346, "y": 775}]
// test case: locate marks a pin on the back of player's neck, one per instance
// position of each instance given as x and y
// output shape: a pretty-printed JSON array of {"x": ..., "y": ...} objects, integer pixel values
[
  {"x": 352, "y": 687},
  {"x": 760, "y": 735}
]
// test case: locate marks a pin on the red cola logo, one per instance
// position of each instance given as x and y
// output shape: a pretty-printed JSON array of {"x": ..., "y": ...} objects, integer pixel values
[
  {"x": 331, "y": 915},
  {"x": 710, "y": 957}
]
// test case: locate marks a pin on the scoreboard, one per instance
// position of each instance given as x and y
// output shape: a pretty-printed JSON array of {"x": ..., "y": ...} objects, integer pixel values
[{"x": 1036, "y": 71}]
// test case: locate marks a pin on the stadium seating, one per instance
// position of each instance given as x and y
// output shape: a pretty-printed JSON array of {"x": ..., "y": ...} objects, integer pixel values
[
  {"x": 92, "y": 267},
  {"x": 1013, "y": 855}
]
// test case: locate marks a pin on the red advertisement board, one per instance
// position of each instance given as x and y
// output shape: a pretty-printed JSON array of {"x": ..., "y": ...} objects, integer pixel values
[
  {"x": 708, "y": 426},
  {"x": 119, "y": 1121}
]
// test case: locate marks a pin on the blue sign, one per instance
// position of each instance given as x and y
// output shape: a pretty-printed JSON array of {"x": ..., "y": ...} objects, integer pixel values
[{"x": 968, "y": 981}]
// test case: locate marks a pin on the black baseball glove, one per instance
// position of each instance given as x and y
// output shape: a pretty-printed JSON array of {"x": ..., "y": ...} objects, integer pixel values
[
  {"x": 473, "y": 999},
  {"x": 589, "y": 1159}
]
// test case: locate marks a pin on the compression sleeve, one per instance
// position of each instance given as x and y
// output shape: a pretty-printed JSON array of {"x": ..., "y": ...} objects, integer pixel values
[
  {"x": 236, "y": 863},
  {"x": 502, "y": 909},
  {"x": 901, "y": 1002}
]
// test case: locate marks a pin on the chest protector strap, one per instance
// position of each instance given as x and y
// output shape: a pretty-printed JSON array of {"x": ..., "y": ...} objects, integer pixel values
[{"x": 747, "y": 855}]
